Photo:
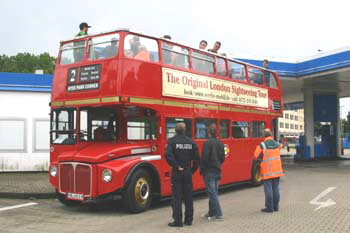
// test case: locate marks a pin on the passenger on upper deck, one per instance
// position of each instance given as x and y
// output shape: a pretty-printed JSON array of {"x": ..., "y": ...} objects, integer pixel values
[
  {"x": 203, "y": 44},
  {"x": 134, "y": 45},
  {"x": 265, "y": 63},
  {"x": 266, "y": 73},
  {"x": 84, "y": 27},
  {"x": 216, "y": 47},
  {"x": 143, "y": 54},
  {"x": 111, "y": 49},
  {"x": 167, "y": 37}
]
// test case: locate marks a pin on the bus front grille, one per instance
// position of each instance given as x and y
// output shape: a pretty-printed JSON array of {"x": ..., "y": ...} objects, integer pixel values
[{"x": 75, "y": 178}]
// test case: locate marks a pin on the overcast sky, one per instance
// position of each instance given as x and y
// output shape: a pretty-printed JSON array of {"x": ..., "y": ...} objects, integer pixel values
[
  {"x": 268, "y": 28},
  {"x": 256, "y": 28}
]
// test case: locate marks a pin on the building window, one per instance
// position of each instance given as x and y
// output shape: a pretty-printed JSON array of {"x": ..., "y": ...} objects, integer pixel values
[
  {"x": 301, "y": 127},
  {"x": 287, "y": 126},
  {"x": 41, "y": 132},
  {"x": 13, "y": 134},
  {"x": 281, "y": 125},
  {"x": 291, "y": 117},
  {"x": 291, "y": 126},
  {"x": 286, "y": 116},
  {"x": 296, "y": 126},
  {"x": 296, "y": 118}
]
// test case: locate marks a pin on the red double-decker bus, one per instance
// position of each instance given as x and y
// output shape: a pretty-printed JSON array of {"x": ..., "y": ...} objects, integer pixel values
[{"x": 116, "y": 97}]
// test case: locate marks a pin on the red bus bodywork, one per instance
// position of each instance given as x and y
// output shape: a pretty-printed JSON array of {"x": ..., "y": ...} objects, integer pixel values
[{"x": 129, "y": 83}]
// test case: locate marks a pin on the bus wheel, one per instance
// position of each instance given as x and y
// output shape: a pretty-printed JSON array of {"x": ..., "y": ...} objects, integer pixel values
[
  {"x": 138, "y": 194},
  {"x": 66, "y": 202},
  {"x": 256, "y": 174}
]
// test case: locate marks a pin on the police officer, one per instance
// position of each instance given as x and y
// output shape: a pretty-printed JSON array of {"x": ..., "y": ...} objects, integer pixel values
[{"x": 182, "y": 155}]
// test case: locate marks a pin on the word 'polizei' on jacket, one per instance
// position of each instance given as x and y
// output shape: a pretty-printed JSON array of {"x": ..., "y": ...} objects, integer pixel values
[{"x": 269, "y": 152}]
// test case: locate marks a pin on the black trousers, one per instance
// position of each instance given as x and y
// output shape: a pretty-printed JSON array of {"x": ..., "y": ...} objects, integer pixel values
[{"x": 181, "y": 184}]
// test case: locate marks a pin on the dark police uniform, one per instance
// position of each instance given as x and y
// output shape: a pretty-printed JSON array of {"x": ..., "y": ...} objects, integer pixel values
[{"x": 181, "y": 151}]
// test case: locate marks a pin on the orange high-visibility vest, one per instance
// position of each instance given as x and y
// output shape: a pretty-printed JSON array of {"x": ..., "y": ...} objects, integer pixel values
[
  {"x": 143, "y": 55},
  {"x": 271, "y": 165}
]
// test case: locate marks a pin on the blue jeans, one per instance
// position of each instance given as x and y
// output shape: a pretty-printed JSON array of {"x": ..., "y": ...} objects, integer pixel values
[
  {"x": 211, "y": 181},
  {"x": 272, "y": 193}
]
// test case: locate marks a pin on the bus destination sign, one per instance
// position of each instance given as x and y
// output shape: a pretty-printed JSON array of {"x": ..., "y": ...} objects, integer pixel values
[
  {"x": 89, "y": 77},
  {"x": 192, "y": 86},
  {"x": 90, "y": 73}
]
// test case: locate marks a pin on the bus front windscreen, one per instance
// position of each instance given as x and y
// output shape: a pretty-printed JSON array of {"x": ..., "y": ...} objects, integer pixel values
[{"x": 63, "y": 126}]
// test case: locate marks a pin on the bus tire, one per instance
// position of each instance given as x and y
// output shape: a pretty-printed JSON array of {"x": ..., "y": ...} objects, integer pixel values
[
  {"x": 137, "y": 196},
  {"x": 256, "y": 175},
  {"x": 61, "y": 198}
]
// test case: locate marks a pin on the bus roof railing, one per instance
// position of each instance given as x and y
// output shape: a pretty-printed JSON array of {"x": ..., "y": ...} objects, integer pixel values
[{"x": 167, "y": 40}]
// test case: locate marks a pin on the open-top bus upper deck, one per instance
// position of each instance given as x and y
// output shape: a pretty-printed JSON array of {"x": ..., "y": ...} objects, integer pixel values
[{"x": 123, "y": 65}]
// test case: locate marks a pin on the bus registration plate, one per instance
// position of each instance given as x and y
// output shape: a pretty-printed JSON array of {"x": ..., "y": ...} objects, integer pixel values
[{"x": 75, "y": 196}]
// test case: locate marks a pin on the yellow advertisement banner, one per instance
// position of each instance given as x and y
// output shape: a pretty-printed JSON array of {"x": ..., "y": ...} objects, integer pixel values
[{"x": 191, "y": 86}]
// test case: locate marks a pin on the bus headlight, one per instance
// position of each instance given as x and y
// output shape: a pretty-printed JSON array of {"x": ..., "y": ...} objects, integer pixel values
[
  {"x": 106, "y": 175},
  {"x": 53, "y": 171}
]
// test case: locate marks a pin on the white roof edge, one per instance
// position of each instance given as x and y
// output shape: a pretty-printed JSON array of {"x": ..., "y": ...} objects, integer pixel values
[
  {"x": 323, "y": 54},
  {"x": 269, "y": 58}
]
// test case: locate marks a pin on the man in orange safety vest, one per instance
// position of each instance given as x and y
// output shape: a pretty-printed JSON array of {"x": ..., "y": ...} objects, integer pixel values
[{"x": 268, "y": 153}]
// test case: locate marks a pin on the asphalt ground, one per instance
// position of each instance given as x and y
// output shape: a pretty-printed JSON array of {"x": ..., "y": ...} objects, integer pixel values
[{"x": 315, "y": 197}]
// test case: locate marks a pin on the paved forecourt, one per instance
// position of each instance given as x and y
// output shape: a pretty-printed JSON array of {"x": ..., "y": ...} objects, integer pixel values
[{"x": 314, "y": 198}]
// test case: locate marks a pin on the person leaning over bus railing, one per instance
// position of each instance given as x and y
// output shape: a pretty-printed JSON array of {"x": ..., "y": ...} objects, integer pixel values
[
  {"x": 213, "y": 155},
  {"x": 216, "y": 47},
  {"x": 182, "y": 155},
  {"x": 268, "y": 154},
  {"x": 84, "y": 28},
  {"x": 203, "y": 44}
]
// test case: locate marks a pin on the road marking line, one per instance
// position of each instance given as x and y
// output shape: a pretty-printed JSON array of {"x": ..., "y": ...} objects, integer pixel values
[
  {"x": 18, "y": 206},
  {"x": 323, "y": 204}
]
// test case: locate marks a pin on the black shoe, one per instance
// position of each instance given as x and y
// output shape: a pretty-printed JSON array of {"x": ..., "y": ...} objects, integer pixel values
[
  {"x": 266, "y": 210},
  {"x": 277, "y": 209},
  {"x": 188, "y": 223},
  {"x": 174, "y": 224}
]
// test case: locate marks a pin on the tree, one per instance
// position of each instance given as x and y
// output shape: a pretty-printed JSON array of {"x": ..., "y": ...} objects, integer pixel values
[{"x": 27, "y": 63}]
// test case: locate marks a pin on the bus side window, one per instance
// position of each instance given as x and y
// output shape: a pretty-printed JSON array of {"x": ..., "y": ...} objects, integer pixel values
[
  {"x": 141, "y": 48},
  {"x": 175, "y": 55},
  {"x": 221, "y": 67},
  {"x": 171, "y": 124},
  {"x": 203, "y": 63},
  {"x": 255, "y": 76},
  {"x": 240, "y": 129},
  {"x": 224, "y": 125},
  {"x": 237, "y": 71},
  {"x": 270, "y": 79},
  {"x": 257, "y": 129},
  {"x": 202, "y": 126},
  {"x": 103, "y": 46}
]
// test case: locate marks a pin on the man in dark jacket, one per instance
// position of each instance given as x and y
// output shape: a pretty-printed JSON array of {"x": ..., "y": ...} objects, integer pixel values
[
  {"x": 182, "y": 155},
  {"x": 213, "y": 155}
]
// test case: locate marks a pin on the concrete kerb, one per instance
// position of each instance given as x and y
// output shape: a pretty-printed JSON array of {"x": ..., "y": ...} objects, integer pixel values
[
  {"x": 28, "y": 195},
  {"x": 26, "y": 185}
]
